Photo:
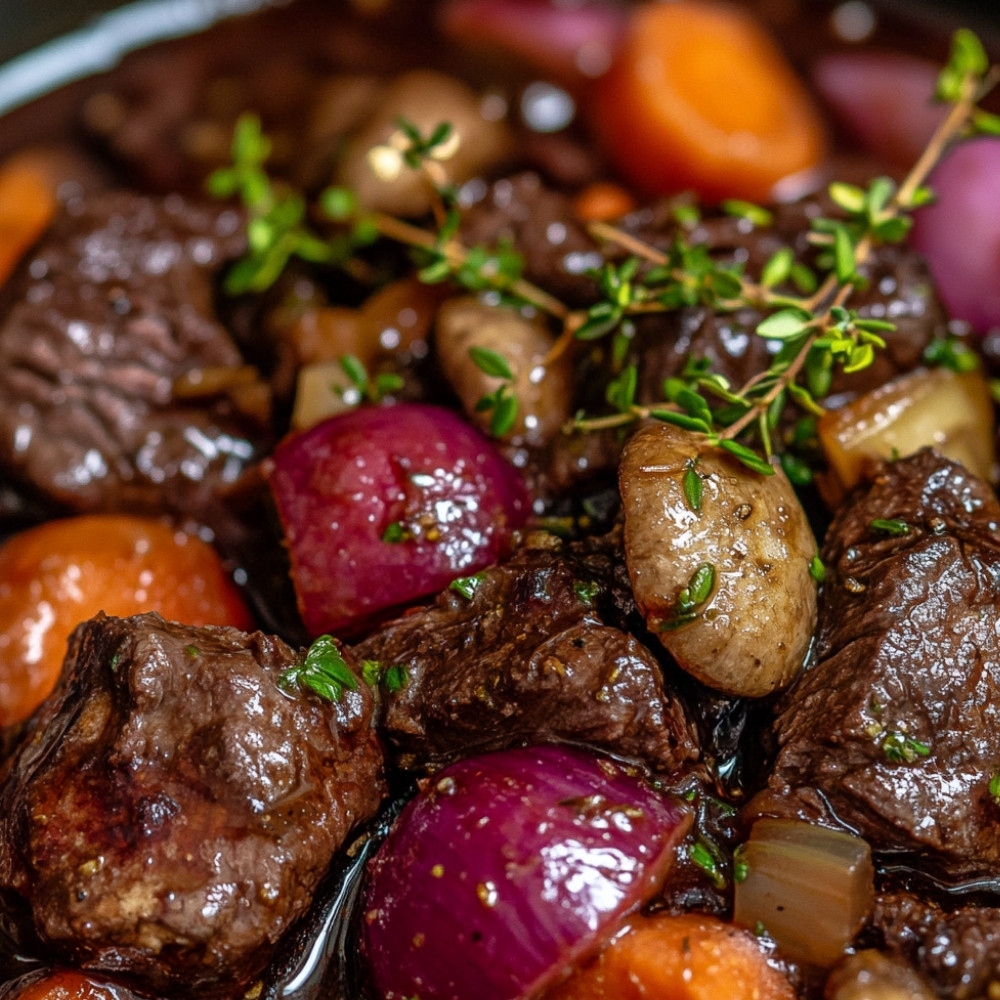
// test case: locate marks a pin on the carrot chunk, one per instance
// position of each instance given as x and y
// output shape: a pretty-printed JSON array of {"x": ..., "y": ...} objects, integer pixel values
[
  {"x": 700, "y": 98},
  {"x": 27, "y": 204},
  {"x": 683, "y": 957}
]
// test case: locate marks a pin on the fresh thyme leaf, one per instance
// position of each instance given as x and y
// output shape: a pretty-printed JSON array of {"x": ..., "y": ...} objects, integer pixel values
[
  {"x": 490, "y": 363},
  {"x": 747, "y": 456},
  {"x": 816, "y": 569},
  {"x": 890, "y": 526},
  {"x": 778, "y": 268},
  {"x": 621, "y": 390},
  {"x": 785, "y": 324},
  {"x": 706, "y": 856},
  {"x": 693, "y": 487},
  {"x": 504, "y": 414},
  {"x": 322, "y": 670},
  {"x": 951, "y": 353},
  {"x": 355, "y": 370}
]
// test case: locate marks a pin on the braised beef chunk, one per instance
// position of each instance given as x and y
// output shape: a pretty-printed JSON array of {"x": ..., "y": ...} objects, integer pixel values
[
  {"x": 893, "y": 732},
  {"x": 897, "y": 285},
  {"x": 518, "y": 654},
  {"x": 112, "y": 364},
  {"x": 523, "y": 211},
  {"x": 174, "y": 808},
  {"x": 958, "y": 951}
]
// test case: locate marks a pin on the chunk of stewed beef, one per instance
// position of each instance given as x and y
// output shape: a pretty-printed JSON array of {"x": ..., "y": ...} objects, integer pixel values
[
  {"x": 956, "y": 949},
  {"x": 892, "y": 732},
  {"x": 121, "y": 389},
  {"x": 520, "y": 653},
  {"x": 174, "y": 807},
  {"x": 896, "y": 287}
]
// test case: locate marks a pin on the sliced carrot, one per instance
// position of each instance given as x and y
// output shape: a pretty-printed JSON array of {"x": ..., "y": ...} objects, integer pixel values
[
  {"x": 684, "y": 957},
  {"x": 27, "y": 204},
  {"x": 63, "y": 572},
  {"x": 603, "y": 201},
  {"x": 700, "y": 98}
]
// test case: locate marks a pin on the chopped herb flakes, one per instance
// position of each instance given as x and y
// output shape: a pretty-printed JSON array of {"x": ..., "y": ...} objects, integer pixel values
[
  {"x": 902, "y": 749},
  {"x": 994, "y": 787},
  {"x": 467, "y": 585},
  {"x": 323, "y": 670},
  {"x": 393, "y": 678}
]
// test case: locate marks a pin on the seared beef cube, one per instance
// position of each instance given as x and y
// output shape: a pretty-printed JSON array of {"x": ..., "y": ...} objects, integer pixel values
[
  {"x": 897, "y": 284},
  {"x": 519, "y": 654},
  {"x": 539, "y": 220},
  {"x": 174, "y": 807},
  {"x": 105, "y": 319},
  {"x": 893, "y": 732},
  {"x": 958, "y": 951}
]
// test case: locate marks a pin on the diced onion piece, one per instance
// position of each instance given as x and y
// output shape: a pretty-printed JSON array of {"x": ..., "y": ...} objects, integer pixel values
[
  {"x": 927, "y": 408},
  {"x": 319, "y": 393},
  {"x": 810, "y": 887},
  {"x": 510, "y": 868}
]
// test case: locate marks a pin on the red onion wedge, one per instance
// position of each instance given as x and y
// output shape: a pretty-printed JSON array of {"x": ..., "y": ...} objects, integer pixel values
[
  {"x": 884, "y": 99},
  {"x": 569, "y": 42},
  {"x": 960, "y": 233},
  {"x": 384, "y": 505},
  {"x": 510, "y": 868}
]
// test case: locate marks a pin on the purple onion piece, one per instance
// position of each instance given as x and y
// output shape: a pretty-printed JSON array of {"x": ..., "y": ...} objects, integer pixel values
[
  {"x": 384, "y": 505},
  {"x": 959, "y": 233},
  {"x": 510, "y": 868}
]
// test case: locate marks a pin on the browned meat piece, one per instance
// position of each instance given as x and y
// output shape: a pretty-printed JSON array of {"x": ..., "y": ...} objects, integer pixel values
[
  {"x": 958, "y": 951},
  {"x": 105, "y": 316},
  {"x": 893, "y": 732},
  {"x": 538, "y": 220},
  {"x": 524, "y": 658},
  {"x": 174, "y": 809},
  {"x": 898, "y": 288}
]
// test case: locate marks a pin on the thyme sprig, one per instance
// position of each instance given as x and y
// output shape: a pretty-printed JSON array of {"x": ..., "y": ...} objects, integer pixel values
[
  {"x": 812, "y": 325},
  {"x": 804, "y": 308}
]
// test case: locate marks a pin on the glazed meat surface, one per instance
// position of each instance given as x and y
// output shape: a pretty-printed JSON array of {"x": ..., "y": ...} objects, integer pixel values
[
  {"x": 521, "y": 654},
  {"x": 174, "y": 809},
  {"x": 110, "y": 311},
  {"x": 892, "y": 733}
]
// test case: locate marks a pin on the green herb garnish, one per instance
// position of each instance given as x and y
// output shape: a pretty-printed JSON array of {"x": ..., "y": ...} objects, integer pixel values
[{"x": 322, "y": 670}]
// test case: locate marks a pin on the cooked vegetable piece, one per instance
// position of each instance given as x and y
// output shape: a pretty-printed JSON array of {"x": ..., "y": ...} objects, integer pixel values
[
  {"x": 60, "y": 573},
  {"x": 960, "y": 236},
  {"x": 811, "y": 887},
  {"x": 687, "y": 956},
  {"x": 510, "y": 867},
  {"x": 375, "y": 166},
  {"x": 938, "y": 408},
  {"x": 883, "y": 99},
  {"x": 27, "y": 205},
  {"x": 569, "y": 42},
  {"x": 541, "y": 393},
  {"x": 719, "y": 560},
  {"x": 384, "y": 505},
  {"x": 66, "y": 984},
  {"x": 700, "y": 98}
]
